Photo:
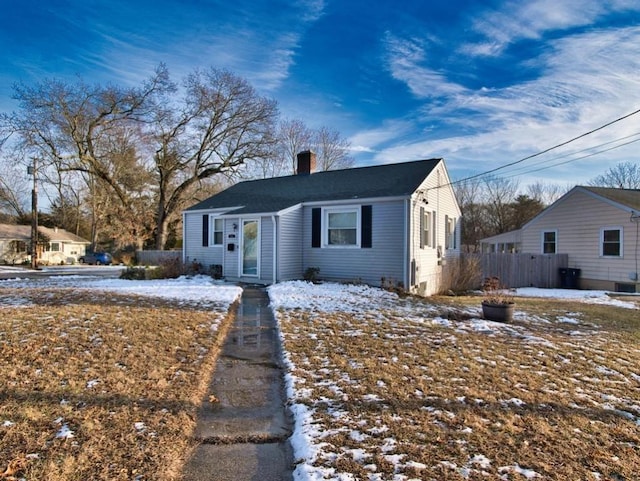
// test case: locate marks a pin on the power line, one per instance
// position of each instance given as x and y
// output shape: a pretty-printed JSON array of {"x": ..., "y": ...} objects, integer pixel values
[
  {"x": 568, "y": 154},
  {"x": 537, "y": 154},
  {"x": 578, "y": 158}
]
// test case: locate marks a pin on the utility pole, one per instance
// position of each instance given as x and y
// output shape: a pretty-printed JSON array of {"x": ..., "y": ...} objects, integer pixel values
[{"x": 33, "y": 170}]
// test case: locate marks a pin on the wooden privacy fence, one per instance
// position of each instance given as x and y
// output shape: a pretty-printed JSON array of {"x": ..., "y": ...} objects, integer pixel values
[
  {"x": 153, "y": 258},
  {"x": 524, "y": 270}
]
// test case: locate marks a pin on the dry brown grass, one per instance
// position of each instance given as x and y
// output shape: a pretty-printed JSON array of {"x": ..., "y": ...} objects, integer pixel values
[
  {"x": 560, "y": 399},
  {"x": 124, "y": 374}
]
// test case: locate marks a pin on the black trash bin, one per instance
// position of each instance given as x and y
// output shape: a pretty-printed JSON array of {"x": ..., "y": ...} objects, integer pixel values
[{"x": 569, "y": 277}]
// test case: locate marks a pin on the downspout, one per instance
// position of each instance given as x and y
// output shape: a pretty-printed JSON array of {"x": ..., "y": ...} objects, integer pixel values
[
  {"x": 275, "y": 249},
  {"x": 184, "y": 236},
  {"x": 407, "y": 237}
]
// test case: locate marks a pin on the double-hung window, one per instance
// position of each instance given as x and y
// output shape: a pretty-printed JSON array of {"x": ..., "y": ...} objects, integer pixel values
[
  {"x": 425, "y": 228},
  {"x": 549, "y": 242},
  {"x": 218, "y": 228},
  {"x": 347, "y": 226},
  {"x": 342, "y": 227},
  {"x": 611, "y": 242},
  {"x": 450, "y": 232}
]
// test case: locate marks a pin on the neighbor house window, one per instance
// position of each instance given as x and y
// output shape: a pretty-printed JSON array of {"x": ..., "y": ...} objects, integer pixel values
[
  {"x": 549, "y": 242},
  {"x": 218, "y": 228},
  {"x": 425, "y": 228},
  {"x": 450, "y": 232},
  {"x": 611, "y": 242},
  {"x": 342, "y": 227},
  {"x": 53, "y": 247}
]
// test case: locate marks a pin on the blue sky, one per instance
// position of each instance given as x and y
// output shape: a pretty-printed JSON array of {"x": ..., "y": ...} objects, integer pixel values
[{"x": 480, "y": 84}]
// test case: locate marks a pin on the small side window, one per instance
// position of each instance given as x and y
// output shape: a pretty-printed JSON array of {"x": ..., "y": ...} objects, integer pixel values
[
  {"x": 549, "y": 242},
  {"x": 611, "y": 242},
  {"x": 218, "y": 228}
]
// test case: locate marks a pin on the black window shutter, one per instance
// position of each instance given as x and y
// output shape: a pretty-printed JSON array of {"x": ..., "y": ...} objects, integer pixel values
[
  {"x": 316, "y": 227},
  {"x": 205, "y": 230},
  {"x": 366, "y": 227}
]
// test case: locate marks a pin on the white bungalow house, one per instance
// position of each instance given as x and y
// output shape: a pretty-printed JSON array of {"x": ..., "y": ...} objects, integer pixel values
[
  {"x": 597, "y": 227},
  {"x": 61, "y": 246},
  {"x": 391, "y": 224}
]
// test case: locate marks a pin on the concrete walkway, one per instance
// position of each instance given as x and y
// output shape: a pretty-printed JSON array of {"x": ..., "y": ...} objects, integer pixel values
[{"x": 243, "y": 426}]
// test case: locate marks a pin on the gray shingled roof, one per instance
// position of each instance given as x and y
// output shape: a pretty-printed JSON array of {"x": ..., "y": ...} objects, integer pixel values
[
  {"x": 278, "y": 193},
  {"x": 628, "y": 197},
  {"x": 23, "y": 232}
]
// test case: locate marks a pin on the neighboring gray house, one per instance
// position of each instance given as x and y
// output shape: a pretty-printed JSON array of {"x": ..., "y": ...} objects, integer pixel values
[
  {"x": 62, "y": 246},
  {"x": 388, "y": 224},
  {"x": 596, "y": 226}
]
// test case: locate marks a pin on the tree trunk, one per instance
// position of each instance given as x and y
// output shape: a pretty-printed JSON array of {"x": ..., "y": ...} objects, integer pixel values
[{"x": 162, "y": 225}]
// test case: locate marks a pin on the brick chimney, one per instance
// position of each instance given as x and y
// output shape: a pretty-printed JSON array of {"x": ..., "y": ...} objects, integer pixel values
[{"x": 306, "y": 162}]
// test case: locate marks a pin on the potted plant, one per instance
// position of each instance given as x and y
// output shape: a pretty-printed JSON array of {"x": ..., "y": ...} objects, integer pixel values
[{"x": 497, "y": 304}]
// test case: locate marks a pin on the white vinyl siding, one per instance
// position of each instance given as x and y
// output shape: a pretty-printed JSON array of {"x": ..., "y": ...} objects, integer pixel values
[
  {"x": 383, "y": 260},
  {"x": 578, "y": 220},
  {"x": 290, "y": 245},
  {"x": 440, "y": 200},
  {"x": 192, "y": 243}
]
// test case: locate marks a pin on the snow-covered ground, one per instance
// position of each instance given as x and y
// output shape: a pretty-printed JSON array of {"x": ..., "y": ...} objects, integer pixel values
[
  {"x": 324, "y": 298},
  {"x": 190, "y": 290}
]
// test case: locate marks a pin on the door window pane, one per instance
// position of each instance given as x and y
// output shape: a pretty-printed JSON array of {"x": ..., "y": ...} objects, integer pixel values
[{"x": 250, "y": 248}]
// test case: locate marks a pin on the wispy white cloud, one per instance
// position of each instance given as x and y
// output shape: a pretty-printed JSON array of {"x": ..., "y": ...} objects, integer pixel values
[
  {"x": 584, "y": 81},
  {"x": 254, "y": 41},
  {"x": 371, "y": 140},
  {"x": 517, "y": 20},
  {"x": 406, "y": 60}
]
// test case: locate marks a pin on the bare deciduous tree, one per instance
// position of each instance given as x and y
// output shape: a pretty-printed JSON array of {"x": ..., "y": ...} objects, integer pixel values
[
  {"x": 144, "y": 152},
  {"x": 293, "y": 137},
  {"x": 499, "y": 194},
  {"x": 625, "y": 175},
  {"x": 72, "y": 127},
  {"x": 331, "y": 149},
  {"x": 547, "y": 194},
  {"x": 220, "y": 124},
  {"x": 470, "y": 200},
  {"x": 15, "y": 191}
]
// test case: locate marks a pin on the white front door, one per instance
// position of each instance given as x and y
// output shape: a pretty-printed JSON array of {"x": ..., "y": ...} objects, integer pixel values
[{"x": 250, "y": 247}]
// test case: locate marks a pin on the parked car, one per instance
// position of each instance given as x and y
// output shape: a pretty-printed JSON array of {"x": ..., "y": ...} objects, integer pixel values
[{"x": 97, "y": 258}]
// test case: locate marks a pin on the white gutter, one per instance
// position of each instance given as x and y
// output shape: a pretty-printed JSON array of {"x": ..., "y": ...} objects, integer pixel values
[{"x": 363, "y": 200}]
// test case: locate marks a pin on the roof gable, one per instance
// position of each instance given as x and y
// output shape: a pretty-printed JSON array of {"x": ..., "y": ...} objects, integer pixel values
[
  {"x": 627, "y": 200},
  {"x": 278, "y": 193}
]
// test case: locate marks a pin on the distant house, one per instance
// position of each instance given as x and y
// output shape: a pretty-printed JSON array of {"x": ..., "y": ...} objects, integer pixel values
[
  {"x": 391, "y": 224},
  {"x": 597, "y": 227},
  {"x": 61, "y": 247},
  {"x": 508, "y": 242}
]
